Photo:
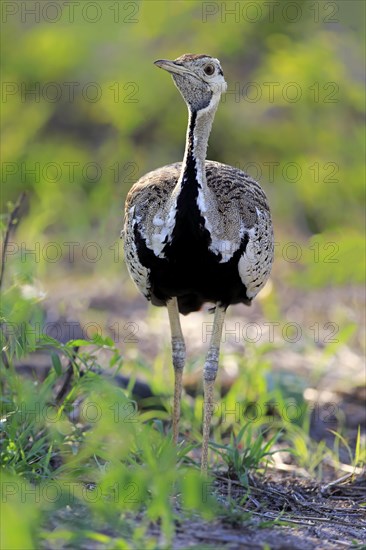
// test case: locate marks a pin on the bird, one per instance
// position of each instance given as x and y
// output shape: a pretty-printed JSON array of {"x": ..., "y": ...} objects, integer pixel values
[{"x": 197, "y": 231}]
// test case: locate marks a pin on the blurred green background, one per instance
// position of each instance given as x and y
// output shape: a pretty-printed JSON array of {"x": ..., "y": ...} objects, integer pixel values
[{"x": 85, "y": 113}]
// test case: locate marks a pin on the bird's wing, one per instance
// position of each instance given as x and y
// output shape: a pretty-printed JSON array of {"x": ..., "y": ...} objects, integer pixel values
[
  {"x": 239, "y": 214},
  {"x": 142, "y": 225},
  {"x": 243, "y": 216}
]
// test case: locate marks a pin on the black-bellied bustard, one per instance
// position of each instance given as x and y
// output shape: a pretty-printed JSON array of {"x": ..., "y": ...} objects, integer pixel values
[{"x": 197, "y": 231}]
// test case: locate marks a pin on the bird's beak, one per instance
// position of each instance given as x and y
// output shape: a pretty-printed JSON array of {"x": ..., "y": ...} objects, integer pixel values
[{"x": 172, "y": 67}]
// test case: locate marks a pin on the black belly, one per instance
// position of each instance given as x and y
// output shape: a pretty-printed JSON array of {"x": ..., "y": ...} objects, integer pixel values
[
  {"x": 197, "y": 278},
  {"x": 190, "y": 271}
]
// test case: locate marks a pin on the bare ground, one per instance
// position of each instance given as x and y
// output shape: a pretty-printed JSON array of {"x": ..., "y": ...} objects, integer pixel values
[
  {"x": 286, "y": 509},
  {"x": 280, "y": 512}
]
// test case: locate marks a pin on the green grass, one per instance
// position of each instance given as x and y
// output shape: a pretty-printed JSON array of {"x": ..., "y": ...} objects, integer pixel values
[
  {"x": 95, "y": 468},
  {"x": 91, "y": 469},
  {"x": 247, "y": 451}
]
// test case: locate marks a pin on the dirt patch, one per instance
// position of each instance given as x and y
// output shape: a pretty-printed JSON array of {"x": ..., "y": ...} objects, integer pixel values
[
  {"x": 279, "y": 512},
  {"x": 282, "y": 512}
]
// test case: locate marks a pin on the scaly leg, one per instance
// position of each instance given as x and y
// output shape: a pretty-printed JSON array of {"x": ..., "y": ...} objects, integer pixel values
[
  {"x": 179, "y": 356},
  {"x": 209, "y": 376}
]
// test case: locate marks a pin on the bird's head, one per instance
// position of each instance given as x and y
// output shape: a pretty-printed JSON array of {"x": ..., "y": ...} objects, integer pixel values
[{"x": 199, "y": 78}]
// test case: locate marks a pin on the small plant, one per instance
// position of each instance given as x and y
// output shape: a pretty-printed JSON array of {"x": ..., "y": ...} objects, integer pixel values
[
  {"x": 356, "y": 458},
  {"x": 247, "y": 451},
  {"x": 93, "y": 455}
]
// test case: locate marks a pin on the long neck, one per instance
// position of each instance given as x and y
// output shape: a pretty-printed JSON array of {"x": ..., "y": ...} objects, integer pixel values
[
  {"x": 191, "y": 191},
  {"x": 198, "y": 131}
]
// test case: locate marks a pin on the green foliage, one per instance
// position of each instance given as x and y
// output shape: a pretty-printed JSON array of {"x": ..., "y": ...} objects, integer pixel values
[
  {"x": 357, "y": 457},
  {"x": 13, "y": 489},
  {"x": 96, "y": 458},
  {"x": 70, "y": 469},
  {"x": 247, "y": 451},
  {"x": 292, "y": 117},
  {"x": 333, "y": 258},
  {"x": 107, "y": 461}
]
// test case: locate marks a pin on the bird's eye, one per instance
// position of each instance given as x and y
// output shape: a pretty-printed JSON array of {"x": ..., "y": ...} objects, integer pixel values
[{"x": 209, "y": 70}]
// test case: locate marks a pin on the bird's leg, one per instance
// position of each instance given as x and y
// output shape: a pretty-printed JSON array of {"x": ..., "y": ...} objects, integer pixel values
[
  {"x": 179, "y": 356},
  {"x": 209, "y": 376}
]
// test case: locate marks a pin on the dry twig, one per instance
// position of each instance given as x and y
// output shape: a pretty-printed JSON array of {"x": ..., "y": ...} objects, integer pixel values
[{"x": 12, "y": 221}]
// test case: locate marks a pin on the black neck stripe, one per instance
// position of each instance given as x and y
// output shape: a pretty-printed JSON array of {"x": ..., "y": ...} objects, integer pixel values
[{"x": 190, "y": 168}]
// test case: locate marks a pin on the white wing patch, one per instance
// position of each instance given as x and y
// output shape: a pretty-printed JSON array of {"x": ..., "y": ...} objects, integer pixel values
[
  {"x": 219, "y": 246},
  {"x": 158, "y": 221},
  {"x": 163, "y": 228}
]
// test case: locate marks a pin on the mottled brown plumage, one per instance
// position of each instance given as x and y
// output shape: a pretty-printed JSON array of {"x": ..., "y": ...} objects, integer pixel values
[
  {"x": 237, "y": 197},
  {"x": 197, "y": 231}
]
